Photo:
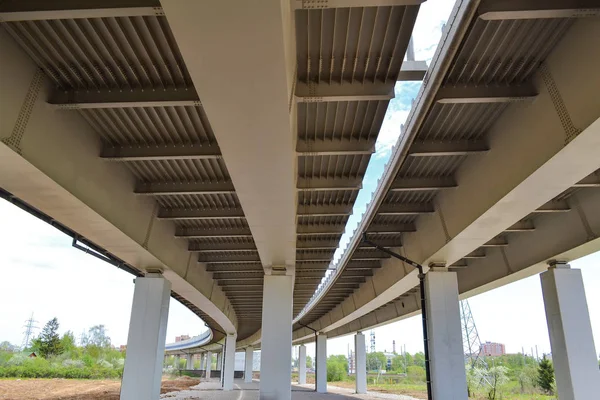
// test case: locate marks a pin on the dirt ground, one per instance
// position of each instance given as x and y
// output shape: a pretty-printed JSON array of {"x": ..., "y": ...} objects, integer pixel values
[{"x": 72, "y": 389}]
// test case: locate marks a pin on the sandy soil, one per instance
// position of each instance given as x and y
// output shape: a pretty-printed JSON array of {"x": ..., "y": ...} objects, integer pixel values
[{"x": 71, "y": 389}]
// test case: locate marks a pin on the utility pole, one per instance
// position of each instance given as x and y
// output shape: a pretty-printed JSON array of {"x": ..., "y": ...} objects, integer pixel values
[{"x": 471, "y": 341}]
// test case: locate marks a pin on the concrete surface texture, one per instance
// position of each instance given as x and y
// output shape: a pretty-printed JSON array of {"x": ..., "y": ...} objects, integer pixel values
[{"x": 211, "y": 390}]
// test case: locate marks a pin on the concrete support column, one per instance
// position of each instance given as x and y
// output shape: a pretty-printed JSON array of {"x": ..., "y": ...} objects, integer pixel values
[
  {"x": 189, "y": 361},
  {"x": 360, "y": 363},
  {"x": 276, "y": 339},
  {"x": 321, "y": 363},
  {"x": 448, "y": 375},
  {"x": 220, "y": 361},
  {"x": 248, "y": 364},
  {"x": 571, "y": 339},
  {"x": 209, "y": 358},
  {"x": 302, "y": 365},
  {"x": 228, "y": 361},
  {"x": 146, "y": 339}
]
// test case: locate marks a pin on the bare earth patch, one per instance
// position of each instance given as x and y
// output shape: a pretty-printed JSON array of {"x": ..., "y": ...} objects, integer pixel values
[{"x": 72, "y": 389}]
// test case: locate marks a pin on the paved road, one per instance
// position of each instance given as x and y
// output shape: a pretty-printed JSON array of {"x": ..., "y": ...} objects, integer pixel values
[{"x": 211, "y": 390}]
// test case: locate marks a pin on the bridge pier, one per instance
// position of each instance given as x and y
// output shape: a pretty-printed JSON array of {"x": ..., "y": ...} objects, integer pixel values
[
  {"x": 446, "y": 357},
  {"x": 276, "y": 337},
  {"x": 321, "y": 363},
  {"x": 360, "y": 363},
  {"x": 302, "y": 365},
  {"x": 228, "y": 361},
  {"x": 146, "y": 339},
  {"x": 189, "y": 361},
  {"x": 248, "y": 364},
  {"x": 570, "y": 330},
  {"x": 208, "y": 364}
]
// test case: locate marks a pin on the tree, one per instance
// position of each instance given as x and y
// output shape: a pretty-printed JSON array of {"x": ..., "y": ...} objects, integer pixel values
[
  {"x": 68, "y": 342},
  {"x": 8, "y": 347},
  {"x": 419, "y": 359},
  {"x": 97, "y": 337},
  {"x": 398, "y": 364},
  {"x": 545, "y": 378},
  {"x": 48, "y": 342},
  {"x": 497, "y": 377},
  {"x": 376, "y": 361},
  {"x": 337, "y": 368},
  {"x": 309, "y": 362}
]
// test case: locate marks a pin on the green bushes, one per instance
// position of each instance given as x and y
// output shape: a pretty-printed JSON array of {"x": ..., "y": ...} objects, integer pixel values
[
  {"x": 337, "y": 368},
  {"x": 19, "y": 365}
]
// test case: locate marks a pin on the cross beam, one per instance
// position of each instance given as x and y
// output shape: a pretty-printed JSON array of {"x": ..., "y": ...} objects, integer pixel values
[
  {"x": 323, "y": 184},
  {"x": 334, "y": 147},
  {"x": 166, "y": 189},
  {"x": 317, "y": 93},
  {"x": 405, "y": 209},
  {"x": 36, "y": 10},
  {"x": 123, "y": 99},
  {"x": 200, "y": 213},
  {"x": 192, "y": 233},
  {"x": 455, "y": 148},
  {"x": 414, "y": 184},
  {"x": 537, "y": 9},
  {"x": 324, "y": 210},
  {"x": 320, "y": 4},
  {"x": 485, "y": 94},
  {"x": 161, "y": 152}
]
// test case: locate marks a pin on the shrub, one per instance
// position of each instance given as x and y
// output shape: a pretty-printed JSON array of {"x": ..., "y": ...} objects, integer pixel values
[
  {"x": 73, "y": 364},
  {"x": 416, "y": 373}
]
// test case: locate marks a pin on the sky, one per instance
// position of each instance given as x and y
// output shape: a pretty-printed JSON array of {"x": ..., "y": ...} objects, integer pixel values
[{"x": 43, "y": 275}]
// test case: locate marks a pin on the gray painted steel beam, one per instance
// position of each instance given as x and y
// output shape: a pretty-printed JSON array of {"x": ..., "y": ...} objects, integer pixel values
[
  {"x": 324, "y": 229},
  {"x": 241, "y": 269},
  {"x": 212, "y": 258},
  {"x": 192, "y": 233},
  {"x": 396, "y": 242},
  {"x": 75, "y": 100},
  {"x": 589, "y": 181},
  {"x": 362, "y": 265},
  {"x": 554, "y": 207},
  {"x": 322, "y": 4},
  {"x": 365, "y": 253},
  {"x": 217, "y": 247},
  {"x": 325, "y": 209},
  {"x": 390, "y": 228},
  {"x": 439, "y": 149},
  {"x": 334, "y": 147},
  {"x": 405, "y": 209},
  {"x": 321, "y": 184},
  {"x": 521, "y": 226},
  {"x": 202, "y": 213},
  {"x": 412, "y": 71},
  {"x": 161, "y": 152},
  {"x": 317, "y": 244},
  {"x": 414, "y": 184},
  {"x": 485, "y": 94},
  {"x": 35, "y": 10},
  {"x": 166, "y": 189},
  {"x": 538, "y": 9},
  {"x": 317, "y": 93},
  {"x": 496, "y": 242},
  {"x": 479, "y": 253}
]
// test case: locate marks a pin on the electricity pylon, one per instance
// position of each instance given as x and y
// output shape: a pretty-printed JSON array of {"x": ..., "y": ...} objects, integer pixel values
[
  {"x": 29, "y": 327},
  {"x": 471, "y": 340}
]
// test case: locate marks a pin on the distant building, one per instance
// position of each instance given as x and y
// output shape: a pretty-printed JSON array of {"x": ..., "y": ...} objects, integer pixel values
[
  {"x": 181, "y": 338},
  {"x": 123, "y": 348},
  {"x": 389, "y": 357},
  {"x": 492, "y": 349}
]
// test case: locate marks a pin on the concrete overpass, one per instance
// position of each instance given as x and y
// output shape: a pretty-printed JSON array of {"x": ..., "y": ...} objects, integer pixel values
[{"x": 215, "y": 149}]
